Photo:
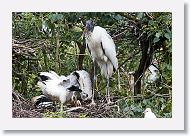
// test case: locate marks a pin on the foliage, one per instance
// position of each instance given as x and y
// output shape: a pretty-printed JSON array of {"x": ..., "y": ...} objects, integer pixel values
[
  {"x": 53, "y": 42},
  {"x": 160, "y": 106},
  {"x": 51, "y": 114}
]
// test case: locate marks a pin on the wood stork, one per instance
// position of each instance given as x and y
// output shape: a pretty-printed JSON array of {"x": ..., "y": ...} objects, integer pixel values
[
  {"x": 153, "y": 76},
  {"x": 149, "y": 114},
  {"x": 83, "y": 78},
  {"x": 57, "y": 87},
  {"x": 102, "y": 50},
  {"x": 42, "y": 101}
]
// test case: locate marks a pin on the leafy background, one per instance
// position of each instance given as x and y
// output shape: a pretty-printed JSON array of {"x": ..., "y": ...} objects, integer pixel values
[{"x": 53, "y": 41}]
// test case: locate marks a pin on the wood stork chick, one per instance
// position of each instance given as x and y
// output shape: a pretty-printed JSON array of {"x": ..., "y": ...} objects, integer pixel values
[
  {"x": 149, "y": 114},
  {"x": 41, "y": 102},
  {"x": 85, "y": 84},
  {"x": 56, "y": 87},
  {"x": 102, "y": 50}
]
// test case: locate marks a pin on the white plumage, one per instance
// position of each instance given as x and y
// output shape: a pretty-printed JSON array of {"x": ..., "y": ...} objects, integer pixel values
[
  {"x": 84, "y": 81},
  {"x": 102, "y": 50},
  {"x": 57, "y": 87},
  {"x": 65, "y": 88},
  {"x": 41, "y": 102},
  {"x": 149, "y": 114},
  {"x": 153, "y": 76}
]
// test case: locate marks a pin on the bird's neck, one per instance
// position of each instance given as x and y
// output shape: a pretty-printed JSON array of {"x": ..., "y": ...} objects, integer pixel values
[{"x": 88, "y": 34}]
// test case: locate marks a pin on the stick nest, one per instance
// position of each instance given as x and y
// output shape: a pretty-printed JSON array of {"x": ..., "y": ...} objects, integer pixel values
[{"x": 23, "y": 108}]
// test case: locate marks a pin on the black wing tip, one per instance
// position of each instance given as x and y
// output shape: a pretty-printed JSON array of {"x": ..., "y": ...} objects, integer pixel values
[
  {"x": 114, "y": 70},
  {"x": 40, "y": 99},
  {"x": 76, "y": 74},
  {"x": 43, "y": 77},
  {"x": 74, "y": 88},
  {"x": 102, "y": 48}
]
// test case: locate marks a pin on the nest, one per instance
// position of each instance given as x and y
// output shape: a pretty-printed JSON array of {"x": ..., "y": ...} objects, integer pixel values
[
  {"x": 22, "y": 48},
  {"x": 100, "y": 110},
  {"x": 23, "y": 108},
  {"x": 86, "y": 110}
]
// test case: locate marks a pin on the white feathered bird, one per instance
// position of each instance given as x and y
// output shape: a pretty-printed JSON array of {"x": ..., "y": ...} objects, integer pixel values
[
  {"x": 84, "y": 82},
  {"x": 57, "y": 87},
  {"x": 42, "y": 101},
  {"x": 102, "y": 49},
  {"x": 149, "y": 114},
  {"x": 153, "y": 76}
]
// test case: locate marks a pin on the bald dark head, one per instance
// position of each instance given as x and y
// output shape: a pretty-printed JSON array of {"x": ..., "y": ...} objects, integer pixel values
[{"x": 89, "y": 25}]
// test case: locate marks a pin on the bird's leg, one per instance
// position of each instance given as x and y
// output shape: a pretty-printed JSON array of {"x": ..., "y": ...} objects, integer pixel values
[
  {"x": 61, "y": 109},
  {"x": 108, "y": 89},
  {"x": 108, "y": 92},
  {"x": 94, "y": 83},
  {"x": 78, "y": 103}
]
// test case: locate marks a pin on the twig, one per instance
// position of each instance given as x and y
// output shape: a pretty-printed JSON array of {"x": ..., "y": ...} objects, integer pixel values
[
  {"x": 149, "y": 16},
  {"x": 131, "y": 56},
  {"x": 75, "y": 109},
  {"x": 119, "y": 84},
  {"x": 118, "y": 35},
  {"x": 159, "y": 95}
]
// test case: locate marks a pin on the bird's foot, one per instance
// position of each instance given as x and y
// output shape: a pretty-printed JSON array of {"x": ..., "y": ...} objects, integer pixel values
[
  {"x": 110, "y": 103},
  {"x": 78, "y": 103},
  {"x": 92, "y": 104}
]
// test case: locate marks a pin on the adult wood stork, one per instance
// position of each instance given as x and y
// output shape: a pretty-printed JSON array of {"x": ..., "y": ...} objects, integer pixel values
[
  {"x": 102, "y": 50},
  {"x": 58, "y": 87},
  {"x": 149, "y": 114}
]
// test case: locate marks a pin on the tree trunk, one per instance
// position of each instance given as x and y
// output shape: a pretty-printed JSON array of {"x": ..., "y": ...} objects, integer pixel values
[
  {"x": 145, "y": 61},
  {"x": 82, "y": 48},
  {"x": 147, "y": 49}
]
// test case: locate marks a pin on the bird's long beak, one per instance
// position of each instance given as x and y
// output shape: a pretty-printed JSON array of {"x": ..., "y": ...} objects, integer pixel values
[{"x": 85, "y": 31}]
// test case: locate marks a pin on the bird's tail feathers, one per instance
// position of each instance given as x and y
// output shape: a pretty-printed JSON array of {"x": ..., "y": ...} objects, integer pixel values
[
  {"x": 106, "y": 69},
  {"x": 115, "y": 64},
  {"x": 42, "y": 85}
]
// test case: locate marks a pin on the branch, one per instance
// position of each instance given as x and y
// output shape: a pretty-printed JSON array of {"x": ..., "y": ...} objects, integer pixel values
[
  {"x": 119, "y": 35},
  {"x": 149, "y": 16},
  {"x": 130, "y": 57}
]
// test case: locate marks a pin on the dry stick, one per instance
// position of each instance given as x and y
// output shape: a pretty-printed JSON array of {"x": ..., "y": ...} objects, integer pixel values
[
  {"x": 57, "y": 53},
  {"x": 126, "y": 77},
  {"x": 118, "y": 35},
  {"x": 147, "y": 14},
  {"x": 74, "y": 109},
  {"x": 159, "y": 95},
  {"x": 21, "y": 46},
  {"x": 78, "y": 54},
  {"x": 119, "y": 84},
  {"x": 21, "y": 42},
  {"x": 75, "y": 54}
]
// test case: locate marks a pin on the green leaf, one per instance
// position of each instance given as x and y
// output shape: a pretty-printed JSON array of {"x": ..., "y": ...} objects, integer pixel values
[
  {"x": 156, "y": 39},
  {"x": 140, "y": 15},
  {"x": 126, "y": 109},
  {"x": 118, "y": 17},
  {"x": 158, "y": 34},
  {"x": 168, "y": 36}
]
